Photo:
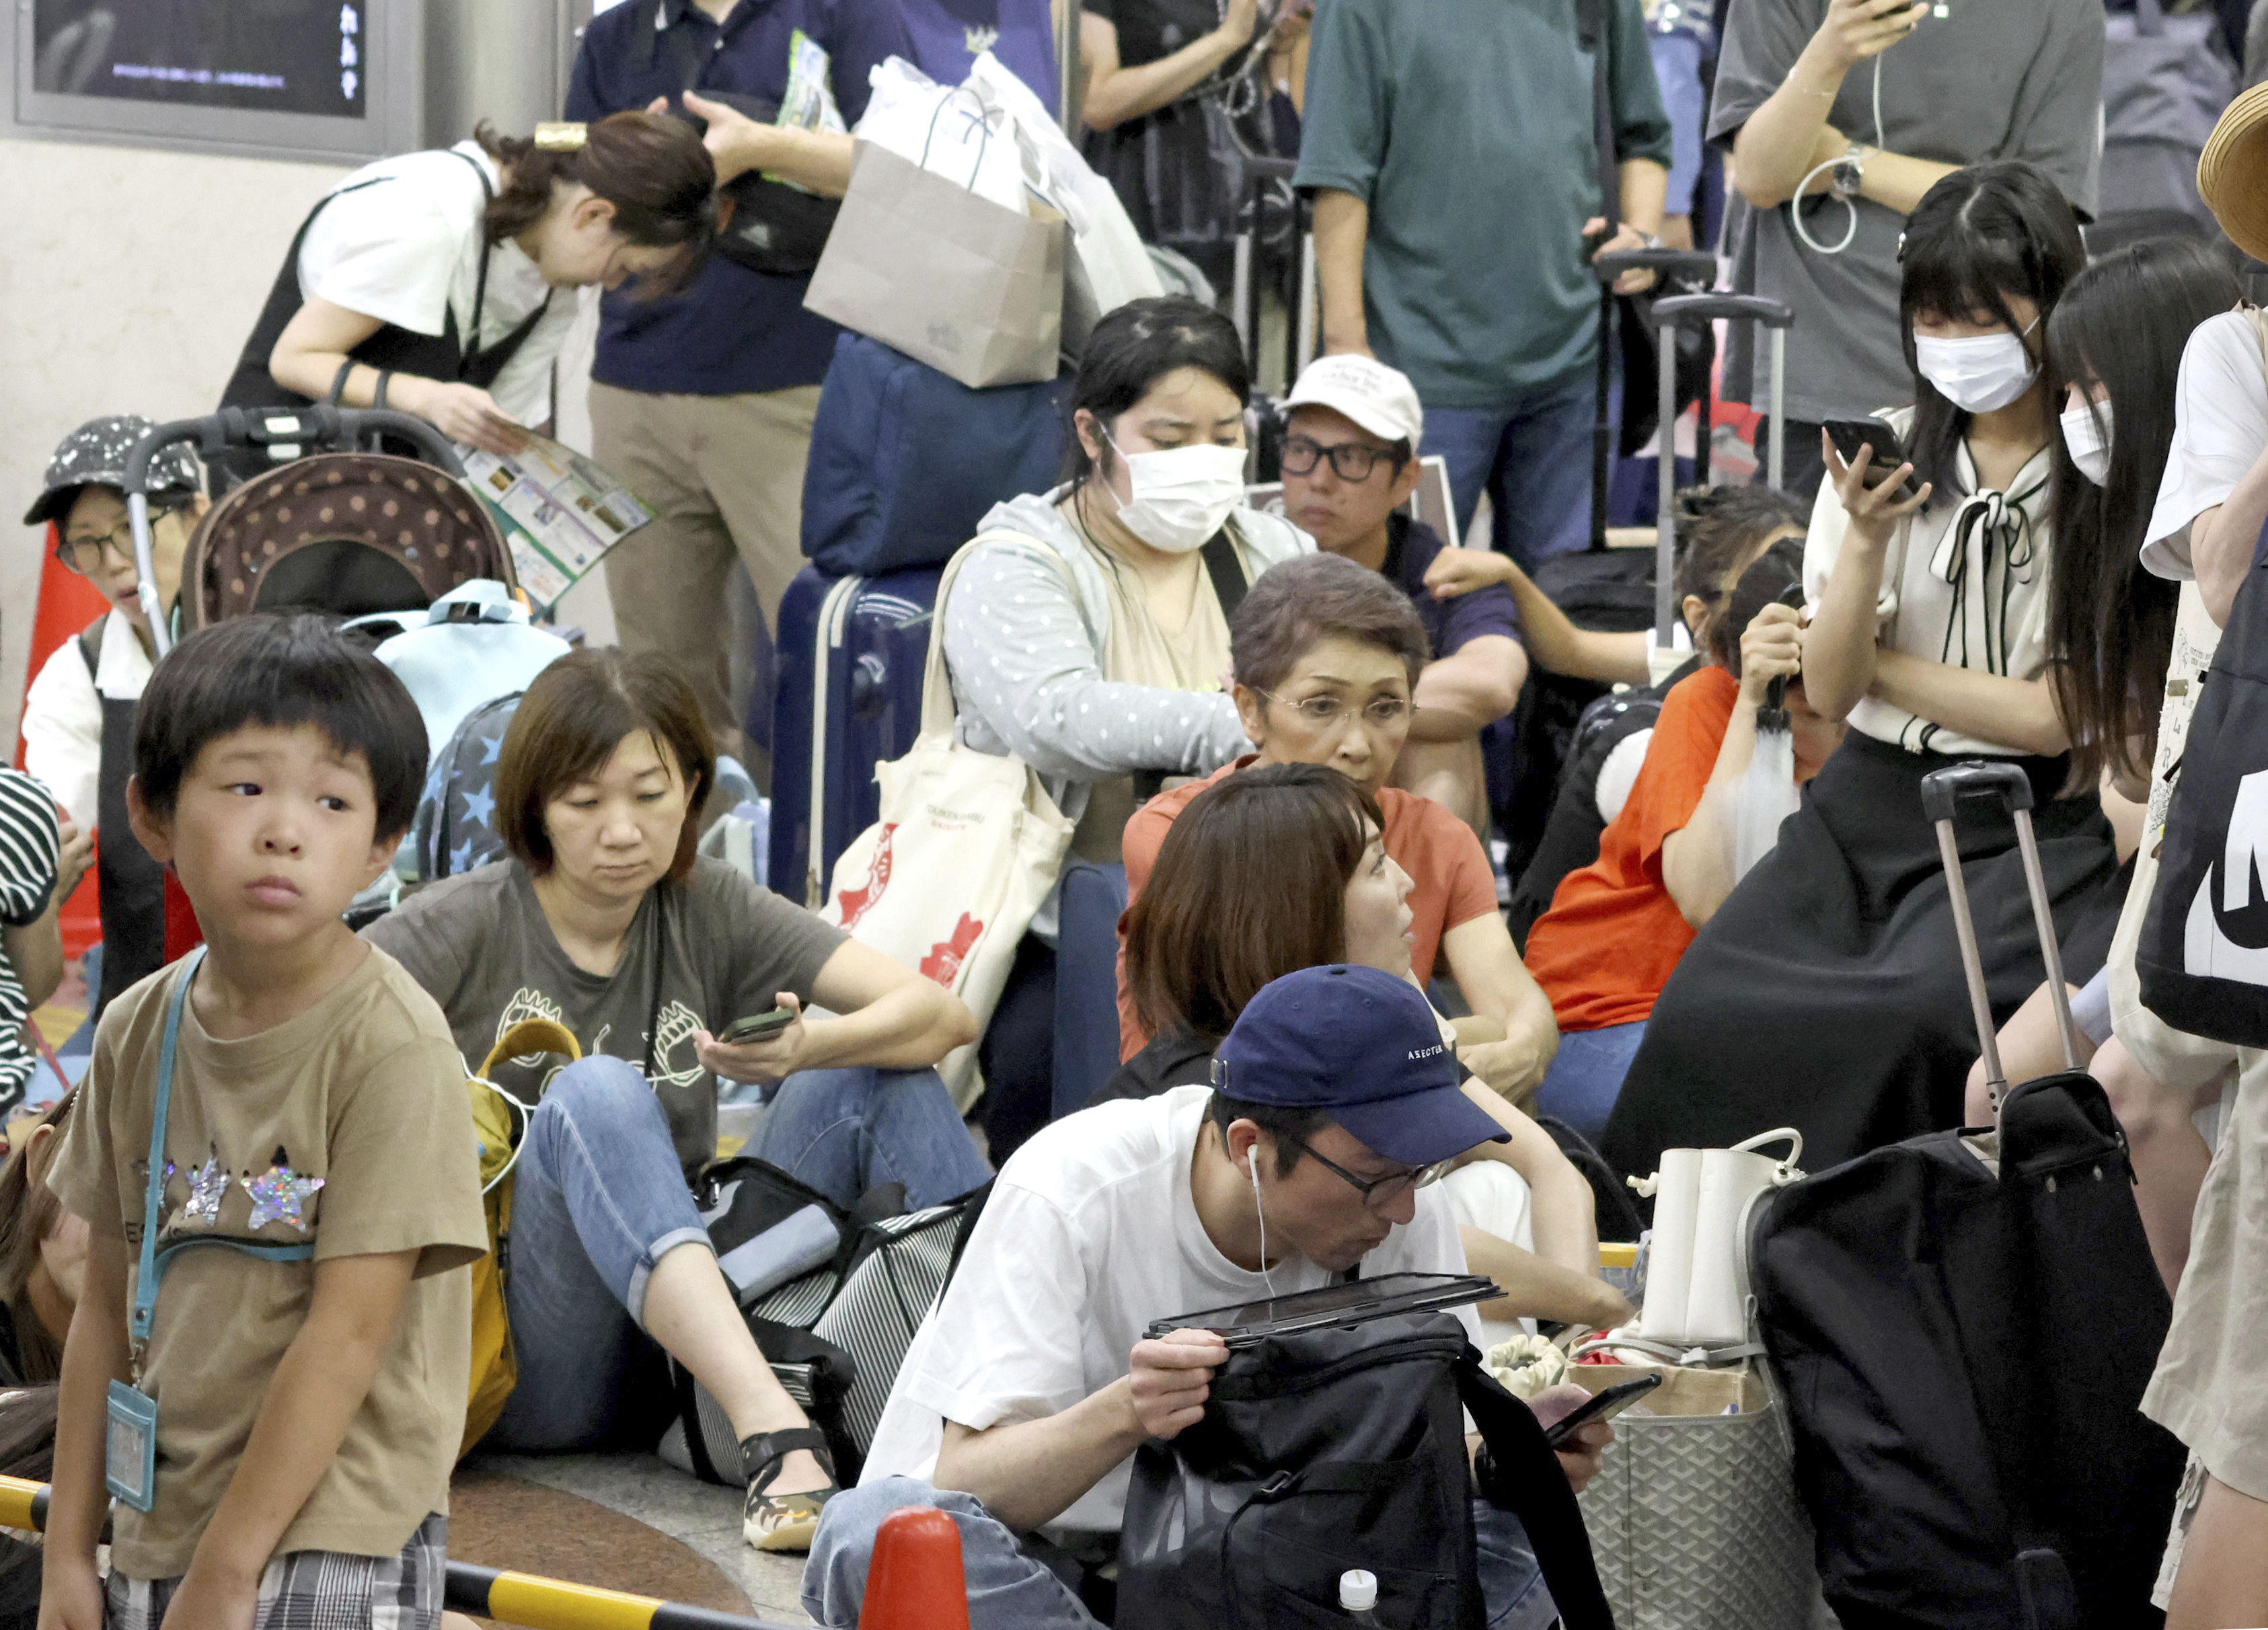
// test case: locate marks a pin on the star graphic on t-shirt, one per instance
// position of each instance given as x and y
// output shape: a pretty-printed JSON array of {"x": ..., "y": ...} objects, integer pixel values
[
  {"x": 280, "y": 1194},
  {"x": 460, "y": 858},
  {"x": 207, "y": 1185},
  {"x": 479, "y": 806},
  {"x": 491, "y": 747}
]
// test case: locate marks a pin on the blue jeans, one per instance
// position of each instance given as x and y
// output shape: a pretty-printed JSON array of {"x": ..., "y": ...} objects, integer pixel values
[
  {"x": 1532, "y": 455},
  {"x": 1586, "y": 1075},
  {"x": 599, "y": 1197},
  {"x": 843, "y": 1131},
  {"x": 1010, "y": 1589}
]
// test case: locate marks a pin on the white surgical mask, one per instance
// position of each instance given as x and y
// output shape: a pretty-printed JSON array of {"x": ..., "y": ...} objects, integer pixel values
[
  {"x": 2090, "y": 445},
  {"x": 1979, "y": 374},
  {"x": 1180, "y": 496}
]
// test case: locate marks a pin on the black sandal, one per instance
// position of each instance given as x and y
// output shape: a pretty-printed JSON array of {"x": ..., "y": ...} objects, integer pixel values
[{"x": 783, "y": 1521}]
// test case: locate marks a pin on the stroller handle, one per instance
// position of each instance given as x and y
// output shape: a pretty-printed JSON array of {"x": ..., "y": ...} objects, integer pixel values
[{"x": 289, "y": 431}]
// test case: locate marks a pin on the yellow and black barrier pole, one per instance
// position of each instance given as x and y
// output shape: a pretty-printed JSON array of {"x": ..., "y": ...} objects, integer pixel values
[{"x": 527, "y": 1600}]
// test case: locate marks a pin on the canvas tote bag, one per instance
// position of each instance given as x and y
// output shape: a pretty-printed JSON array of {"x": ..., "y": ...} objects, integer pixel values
[{"x": 967, "y": 850}]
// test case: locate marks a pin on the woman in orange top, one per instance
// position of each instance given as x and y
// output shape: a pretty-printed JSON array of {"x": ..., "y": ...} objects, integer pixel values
[
  {"x": 1617, "y": 927},
  {"x": 1326, "y": 655}
]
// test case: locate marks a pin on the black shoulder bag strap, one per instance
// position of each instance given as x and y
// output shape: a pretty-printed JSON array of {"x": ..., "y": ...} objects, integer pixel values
[
  {"x": 468, "y": 347},
  {"x": 1520, "y": 1473},
  {"x": 1593, "y": 34},
  {"x": 1224, "y": 566}
]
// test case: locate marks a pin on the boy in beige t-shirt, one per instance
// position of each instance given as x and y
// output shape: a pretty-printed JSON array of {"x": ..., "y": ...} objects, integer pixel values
[{"x": 307, "y": 1412}]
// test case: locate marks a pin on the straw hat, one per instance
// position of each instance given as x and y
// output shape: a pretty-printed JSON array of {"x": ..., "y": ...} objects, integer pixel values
[{"x": 2233, "y": 172}]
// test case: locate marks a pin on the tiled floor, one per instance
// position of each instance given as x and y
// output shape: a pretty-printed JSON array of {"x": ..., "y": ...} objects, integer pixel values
[{"x": 703, "y": 1516}]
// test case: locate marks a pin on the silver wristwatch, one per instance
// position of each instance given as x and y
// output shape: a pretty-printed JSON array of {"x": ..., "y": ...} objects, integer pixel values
[{"x": 1850, "y": 171}]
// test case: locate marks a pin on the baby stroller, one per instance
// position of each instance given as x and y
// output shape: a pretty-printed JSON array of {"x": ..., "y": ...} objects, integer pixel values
[
  {"x": 372, "y": 538},
  {"x": 329, "y": 527}
]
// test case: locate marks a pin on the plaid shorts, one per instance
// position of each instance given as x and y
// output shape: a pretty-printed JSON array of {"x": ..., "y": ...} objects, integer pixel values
[{"x": 318, "y": 1590}]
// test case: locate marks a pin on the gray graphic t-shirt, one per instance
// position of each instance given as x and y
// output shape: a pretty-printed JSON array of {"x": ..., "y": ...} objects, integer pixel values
[{"x": 701, "y": 952}]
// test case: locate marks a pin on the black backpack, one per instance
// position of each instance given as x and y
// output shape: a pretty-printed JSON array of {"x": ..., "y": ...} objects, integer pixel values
[
  {"x": 1963, "y": 1357},
  {"x": 2203, "y": 954},
  {"x": 1340, "y": 1449}
]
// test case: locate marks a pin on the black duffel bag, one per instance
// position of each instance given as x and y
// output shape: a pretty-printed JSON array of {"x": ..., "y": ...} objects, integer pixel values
[{"x": 1342, "y": 1449}]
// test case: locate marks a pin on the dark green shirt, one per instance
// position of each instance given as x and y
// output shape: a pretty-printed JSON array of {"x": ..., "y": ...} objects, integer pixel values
[{"x": 1467, "y": 126}]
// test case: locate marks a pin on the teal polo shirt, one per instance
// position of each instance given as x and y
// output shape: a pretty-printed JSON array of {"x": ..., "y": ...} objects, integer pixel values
[{"x": 1466, "y": 125}]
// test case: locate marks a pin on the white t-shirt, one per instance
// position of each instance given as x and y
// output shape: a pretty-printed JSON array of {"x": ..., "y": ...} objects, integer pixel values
[
  {"x": 407, "y": 250},
  {"x": 1091, "y": 1235},
  {"x": 2221, "y": 424},
  {"x": 1965, "y": 582},
  {"x": 62, "y": 714}
]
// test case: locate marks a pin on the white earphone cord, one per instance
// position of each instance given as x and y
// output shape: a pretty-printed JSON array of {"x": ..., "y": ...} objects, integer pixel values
[
  {"x": 1252, "y": 1171},
  {"x": 1795, "y": 204}
]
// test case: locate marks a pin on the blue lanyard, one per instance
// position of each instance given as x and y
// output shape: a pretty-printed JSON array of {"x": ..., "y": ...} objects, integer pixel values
[{"x": 155, "y": 1262}]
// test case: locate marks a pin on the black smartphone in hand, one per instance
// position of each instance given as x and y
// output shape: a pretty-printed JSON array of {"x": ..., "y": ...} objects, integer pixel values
[
  {"x": 1850, "y": 435},
  {"x": 1603, "y": 1406},
  {"x": 756, "y": 1027}
]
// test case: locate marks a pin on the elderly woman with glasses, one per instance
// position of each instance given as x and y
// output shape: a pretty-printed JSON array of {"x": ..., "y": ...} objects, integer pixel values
[
  {"x": 78, "y": 715},
  {"x": 1325, "y": 655}
]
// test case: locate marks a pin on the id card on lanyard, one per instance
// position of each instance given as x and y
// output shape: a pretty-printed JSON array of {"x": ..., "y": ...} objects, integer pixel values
[{"x": 130, "y": 1469}]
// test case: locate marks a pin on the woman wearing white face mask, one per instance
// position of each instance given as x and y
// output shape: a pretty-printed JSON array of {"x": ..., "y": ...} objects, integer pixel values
[
  {"x": 1089, "y": 631},
  {"x": 1928, "y": 632}
]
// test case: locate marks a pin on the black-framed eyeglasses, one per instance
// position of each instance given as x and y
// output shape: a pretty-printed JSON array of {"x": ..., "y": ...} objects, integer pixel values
[
  {"x": 84, "y": 551},
  {"x": 1377, "y": 1193},
  {"x": 1328, "y": 713},
  {"x": 1351, "y": 461}
]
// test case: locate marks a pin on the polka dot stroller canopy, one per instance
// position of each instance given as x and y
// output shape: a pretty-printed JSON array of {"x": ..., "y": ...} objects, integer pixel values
[{"x": 347, "y": 533}]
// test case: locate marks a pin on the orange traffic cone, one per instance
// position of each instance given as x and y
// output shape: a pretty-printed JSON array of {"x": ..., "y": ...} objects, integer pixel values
[
  {"x": 68, "y": 602},
  {"x": 914, "y": 1581}
]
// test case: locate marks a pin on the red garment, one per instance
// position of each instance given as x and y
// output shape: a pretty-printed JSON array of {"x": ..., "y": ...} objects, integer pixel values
[
  {"x": 1613, "y": 935},
  {"x": 1449, "y": 877}
]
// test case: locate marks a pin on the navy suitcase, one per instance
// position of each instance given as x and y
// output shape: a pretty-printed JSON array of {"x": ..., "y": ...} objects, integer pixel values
[{"x": 851, "y": 651}]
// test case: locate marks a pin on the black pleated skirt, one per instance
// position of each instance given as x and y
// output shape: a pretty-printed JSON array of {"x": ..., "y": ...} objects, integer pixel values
[{"x": 1827, "y": 992}]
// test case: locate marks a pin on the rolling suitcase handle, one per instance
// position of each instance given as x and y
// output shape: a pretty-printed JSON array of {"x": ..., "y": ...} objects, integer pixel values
[
  {"x": 1671, "y": 313},
  {"x": 1942, "y": 792},
  {"x": 1698, "y": 266},
  {"x": 284, "y": 432}
]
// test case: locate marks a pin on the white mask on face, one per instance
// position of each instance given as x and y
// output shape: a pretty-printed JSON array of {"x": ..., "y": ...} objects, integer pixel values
[
  {"x": 1979, "y": 374},
  {"x": 1180, "y": 496},
  {"x": 2090, "y": 445}
]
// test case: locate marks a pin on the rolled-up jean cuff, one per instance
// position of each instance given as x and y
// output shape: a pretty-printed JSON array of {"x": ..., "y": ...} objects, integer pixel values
[{"x": 635, "y": 1301}]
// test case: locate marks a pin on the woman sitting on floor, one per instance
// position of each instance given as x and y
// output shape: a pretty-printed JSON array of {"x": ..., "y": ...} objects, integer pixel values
[
  {"x": 605, "y": 920},
  {"x": 1827, "y": 992}
]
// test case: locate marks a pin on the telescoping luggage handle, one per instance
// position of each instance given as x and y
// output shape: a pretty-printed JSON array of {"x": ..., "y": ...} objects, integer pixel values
[
  {"x": 1671, "y": 313},
  {"x": 287, "y": 433},
  {"x": 1942, "y": 793},
  {"x": 1690, "y": 265}
]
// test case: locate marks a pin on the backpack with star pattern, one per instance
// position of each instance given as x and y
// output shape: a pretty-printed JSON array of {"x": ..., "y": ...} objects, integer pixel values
[{"x": 455, "y": 827}]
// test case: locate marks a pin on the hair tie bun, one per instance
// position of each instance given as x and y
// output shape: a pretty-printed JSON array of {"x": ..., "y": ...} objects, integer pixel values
[{"x": 561, "y": 138}]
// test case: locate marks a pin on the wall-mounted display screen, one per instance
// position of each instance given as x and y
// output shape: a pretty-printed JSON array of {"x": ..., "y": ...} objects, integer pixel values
[{"x": 285, "y": 56}]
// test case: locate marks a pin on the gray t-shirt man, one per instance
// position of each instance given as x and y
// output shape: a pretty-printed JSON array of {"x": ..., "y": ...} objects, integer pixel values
[
  {"x": 701, "y": 952},
  {"x": 1977, "y": 80}
]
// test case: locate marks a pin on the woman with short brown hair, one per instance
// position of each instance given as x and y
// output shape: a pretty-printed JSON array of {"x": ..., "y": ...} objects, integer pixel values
[{"x": 606, "y": 920}]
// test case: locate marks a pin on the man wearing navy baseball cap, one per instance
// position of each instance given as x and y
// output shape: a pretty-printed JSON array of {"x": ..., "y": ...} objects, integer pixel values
[{"x": 1021, "y": 1404}]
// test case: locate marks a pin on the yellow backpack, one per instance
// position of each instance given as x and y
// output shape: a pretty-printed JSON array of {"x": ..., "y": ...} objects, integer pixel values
[{"x": 500, "y": 1122}]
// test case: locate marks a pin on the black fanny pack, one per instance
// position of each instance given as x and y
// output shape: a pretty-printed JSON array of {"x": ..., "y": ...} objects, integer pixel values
[{"x": 765, "y": 225}]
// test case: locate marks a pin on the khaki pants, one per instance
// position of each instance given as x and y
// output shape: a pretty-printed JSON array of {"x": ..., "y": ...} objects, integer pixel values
[{"x": 723, "y": 477}]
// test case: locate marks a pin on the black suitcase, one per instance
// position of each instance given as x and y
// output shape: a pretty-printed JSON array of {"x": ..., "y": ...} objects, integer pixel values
[{"x": 1964, "y": 1345}]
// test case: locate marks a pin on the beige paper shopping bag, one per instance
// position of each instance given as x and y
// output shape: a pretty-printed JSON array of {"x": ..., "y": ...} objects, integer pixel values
[{"x": 952, "y": 280}]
